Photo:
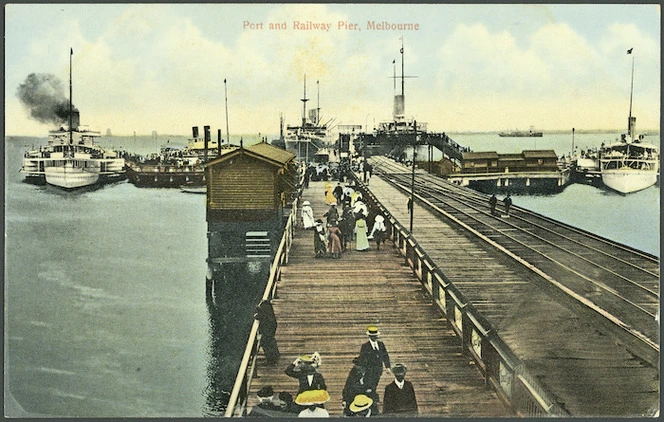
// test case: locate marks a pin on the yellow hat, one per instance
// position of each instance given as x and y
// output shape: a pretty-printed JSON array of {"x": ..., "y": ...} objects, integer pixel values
[
  {"x": 372, "y": 330},
  {"x": 360, "y": 403},
  {"x": 307, "y": 358},
  {"x": 312, "y": 397}
]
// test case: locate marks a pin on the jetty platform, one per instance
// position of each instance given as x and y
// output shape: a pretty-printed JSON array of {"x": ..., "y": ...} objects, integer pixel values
[
  {"x": 325, "y": 305},
  {"x": 494, "y": 315}
]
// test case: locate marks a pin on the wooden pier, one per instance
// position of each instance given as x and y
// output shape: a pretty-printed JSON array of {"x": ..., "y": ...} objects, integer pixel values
[
  {"x": 325, "y": 305},
  {"x": 491, "y": 317}
]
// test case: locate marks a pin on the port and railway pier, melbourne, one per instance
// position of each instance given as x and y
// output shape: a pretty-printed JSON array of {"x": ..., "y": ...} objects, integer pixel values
[{"x": 494, "y": 315}]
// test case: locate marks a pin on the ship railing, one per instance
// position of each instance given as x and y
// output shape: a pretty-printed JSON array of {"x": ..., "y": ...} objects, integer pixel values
[
  {"x": 501, "y": 368},
  {"x": 237, "y": 403}
]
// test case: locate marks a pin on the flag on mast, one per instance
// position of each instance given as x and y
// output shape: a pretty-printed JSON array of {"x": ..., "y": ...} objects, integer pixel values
[{"x": 630, "y": 50}]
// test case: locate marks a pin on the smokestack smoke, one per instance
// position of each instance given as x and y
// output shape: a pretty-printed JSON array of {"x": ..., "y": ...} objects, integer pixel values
[{"x": 43, "y": 95}]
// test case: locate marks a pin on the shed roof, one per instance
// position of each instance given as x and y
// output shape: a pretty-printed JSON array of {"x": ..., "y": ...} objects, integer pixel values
[
  {"x": 480, "y": 155},
  {"x": 272, "y": 152},
  {"x": 540, "y": 153},
  {"x": 262, "y": 151}
]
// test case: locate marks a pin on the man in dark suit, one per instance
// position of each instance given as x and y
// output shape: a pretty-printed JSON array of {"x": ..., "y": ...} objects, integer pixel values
[
  {"x": 373, "y": 355},
  {"x": 306, "y": 374},
  {"x": 267, "y": 329},
  {"x": 265, "y": 407},
  {"x": 399, "y": 395},
  {"x": 356, "y": 384}
]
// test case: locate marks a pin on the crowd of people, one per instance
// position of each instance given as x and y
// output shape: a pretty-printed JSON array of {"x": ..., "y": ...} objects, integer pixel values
[
  {"x": 345, "y": 222},
  {"x": 359, "y": 397}
]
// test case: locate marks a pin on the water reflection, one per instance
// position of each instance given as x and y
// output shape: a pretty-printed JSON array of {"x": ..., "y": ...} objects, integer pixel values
[{"x": 233, "y": 292}]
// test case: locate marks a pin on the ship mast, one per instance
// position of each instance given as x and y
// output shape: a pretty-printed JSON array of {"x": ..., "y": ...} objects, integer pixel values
[
  {"x": 631, "y": 122},
  {"x": 71, "y": 136},
  {"x": 228, "y": 137},
  {"x": 304, "y": 104},
  {"x": 318, "y": 103}
]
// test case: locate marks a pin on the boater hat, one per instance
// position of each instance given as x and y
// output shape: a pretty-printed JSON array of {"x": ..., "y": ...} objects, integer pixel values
[
  {"x": 372, "y": 330},
  {"x": 306, "y": 203},
  {"x": 312, "y": 397},
  {"x": 360, "y": 403}
]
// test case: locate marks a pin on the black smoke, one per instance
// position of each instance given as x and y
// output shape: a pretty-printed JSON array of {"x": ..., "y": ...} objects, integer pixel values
[{"x": 44, "y": 96}]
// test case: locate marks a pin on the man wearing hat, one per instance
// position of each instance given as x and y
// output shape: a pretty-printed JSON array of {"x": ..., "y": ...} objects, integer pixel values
[
  {"x": 399, "y": 394},
  {"x": 265, "y": 406},
  {"x": 357, "y": 384},
  {"x": 267, "y": 328},
  {"x": 303, "y": 369},
  {"x": 361, "y": 406},
  {"x": 374, "y": 355}
]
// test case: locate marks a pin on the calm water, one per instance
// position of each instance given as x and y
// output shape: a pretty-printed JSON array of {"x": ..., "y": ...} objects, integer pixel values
[
  {"x": 105, "y": 301},
  {"x": 106, "y": 314}
]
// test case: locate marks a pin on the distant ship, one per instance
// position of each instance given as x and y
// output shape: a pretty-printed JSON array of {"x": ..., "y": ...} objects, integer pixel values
[
  {"x": 532, "y": 133},
  {"x": 72, "y": 159},
  {"x": 629, "y": 165}
]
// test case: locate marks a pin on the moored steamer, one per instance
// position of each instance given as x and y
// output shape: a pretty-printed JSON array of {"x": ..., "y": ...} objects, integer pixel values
[{"x": 629, "y": 165}]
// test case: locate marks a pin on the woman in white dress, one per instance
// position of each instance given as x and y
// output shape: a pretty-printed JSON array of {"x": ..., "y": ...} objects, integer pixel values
[{"x": 307, "y": 215}]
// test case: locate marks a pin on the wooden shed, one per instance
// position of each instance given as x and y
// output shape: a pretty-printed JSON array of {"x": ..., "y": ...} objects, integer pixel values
[
  {"x": 479, "y": 162},
  {"x": 249, "y": 184}
]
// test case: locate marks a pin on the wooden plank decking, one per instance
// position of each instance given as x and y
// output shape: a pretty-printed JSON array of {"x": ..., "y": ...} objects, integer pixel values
[{"x": 324, "y": 305}]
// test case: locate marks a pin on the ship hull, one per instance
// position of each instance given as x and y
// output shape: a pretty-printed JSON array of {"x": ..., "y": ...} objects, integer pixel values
[
  {"x": 165, "y": 177},
  {"x": 628, "y": 180},
  {"x": 68, "y": 177}
]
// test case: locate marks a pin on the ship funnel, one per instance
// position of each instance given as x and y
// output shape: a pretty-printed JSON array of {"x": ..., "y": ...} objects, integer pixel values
[
  {"x": 194, "y": 132},
  {"x": 206, "y": 142},
  {"x": 631, "y": 127},
  {"x": 399, "y": 107},
  {"x": 75, "y": 120}
]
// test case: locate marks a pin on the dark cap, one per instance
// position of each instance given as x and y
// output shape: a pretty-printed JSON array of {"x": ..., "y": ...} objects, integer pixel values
[{"x": 265, "y": 391}]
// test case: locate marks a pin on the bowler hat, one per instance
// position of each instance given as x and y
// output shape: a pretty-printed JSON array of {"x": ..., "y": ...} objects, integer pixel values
[
  {"x": 399, "y": 369},
  {"x": 265, "y": 391}
]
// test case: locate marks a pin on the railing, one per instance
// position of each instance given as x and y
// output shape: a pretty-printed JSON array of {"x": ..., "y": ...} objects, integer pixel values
[
  {"x": 501, "y": 368},
  {"x": 237, "y": 403}
]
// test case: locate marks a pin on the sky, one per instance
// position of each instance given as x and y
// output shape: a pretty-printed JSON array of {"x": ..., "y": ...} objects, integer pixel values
[{"x": 138, "y": 68}]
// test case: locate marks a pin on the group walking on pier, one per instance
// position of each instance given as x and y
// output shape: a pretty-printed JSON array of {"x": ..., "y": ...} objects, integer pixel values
[
  {"x": 346, "y": 220},
  {"x": 359, "y": 397}
]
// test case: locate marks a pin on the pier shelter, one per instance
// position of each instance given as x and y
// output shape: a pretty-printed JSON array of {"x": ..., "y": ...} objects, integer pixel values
[{"x": 247, "y": 191}]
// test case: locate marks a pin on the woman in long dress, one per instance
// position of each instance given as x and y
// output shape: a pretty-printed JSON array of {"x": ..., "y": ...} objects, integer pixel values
[
  {"x": 379, "y": 231},
  {"x": 361, "y": 241},
  {"x": 329, "y": 194},
  {"x": 334, "y": 240},
  {"x": 307, "y": 215}
]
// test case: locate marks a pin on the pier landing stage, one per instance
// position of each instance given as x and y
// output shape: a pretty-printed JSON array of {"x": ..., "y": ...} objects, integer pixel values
[{"x": 325, "y": 305}]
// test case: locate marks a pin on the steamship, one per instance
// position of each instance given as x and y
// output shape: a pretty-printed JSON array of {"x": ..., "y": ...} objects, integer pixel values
[
  {"x": 311, "y": 136},
  {"x": 177, "y": 167},
  {"x": 72, "y": 159}
]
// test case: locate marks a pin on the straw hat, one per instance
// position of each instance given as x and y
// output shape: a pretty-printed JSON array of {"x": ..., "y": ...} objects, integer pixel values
[
  {"x": 312, "y": 397},
  {"x": 360, "y": 403},
  {"x": 306, "y": 203},
  {"x": 372, "y": 330}
]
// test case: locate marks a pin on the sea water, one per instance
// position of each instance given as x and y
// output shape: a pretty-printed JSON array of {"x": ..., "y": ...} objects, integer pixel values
[{"x": 105, "y": 306}]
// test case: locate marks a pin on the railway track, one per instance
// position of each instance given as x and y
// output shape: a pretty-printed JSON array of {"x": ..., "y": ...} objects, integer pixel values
[{"x": 614, "y": 281}]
